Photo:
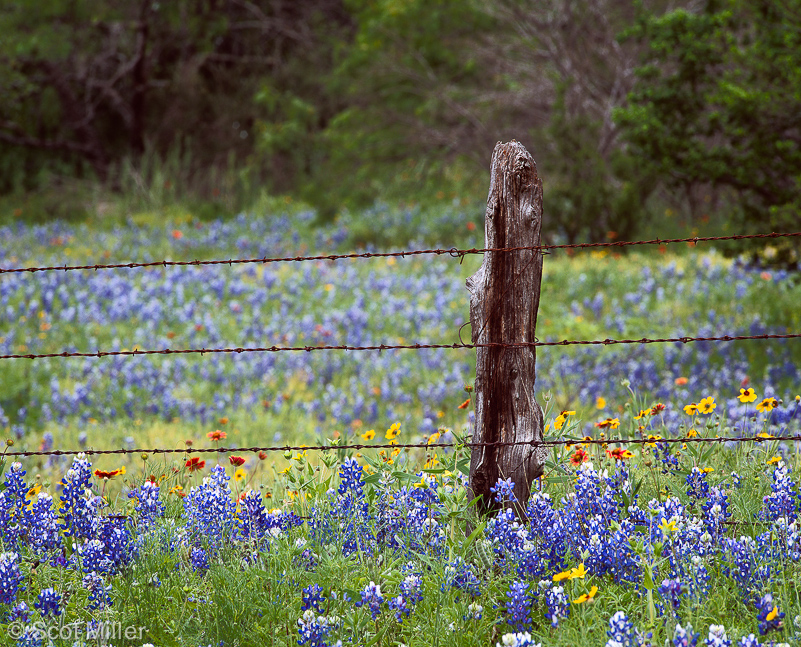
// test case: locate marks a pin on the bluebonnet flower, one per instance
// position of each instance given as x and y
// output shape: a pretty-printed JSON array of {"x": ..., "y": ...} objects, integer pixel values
[
  {"x": 717, "y": 637},
  {"x": 93, "y": 557},
  {"x": 736, "y": 480},
  {"x": 43, "y": 528},
  {"x": 770, "y": 618},
  {"x": 671, "y": 591},
  {"x": 372, "y": 598},
  {"x": 460, "y": 575},
  {"x": 118, "y": 544},
  {"x": 684, "y": 636},
  {"x": 558, "y": 606},
  {"x": 10, "y": 578},
  {"x": 748, "y": 641},
  {"x": 209, "y": 509},
  {"x": 410, "y": 595},
  {"x": 21, "y": 612},
  {"x": 716, "y": 511},
  {"x": 48, "y": 603},
  {"x": 697, "y": 485},
  {"x": 698, "y": 579},
  {"x": 31, "y": 637},
  {"x": 411, "y": 586},
  {"x": 670, "y": 462},
  {"x": 504, "y": 491},
  {"x": 80, "y": 507},
  {"x": 406, "y": 520},
  {"x": 312, "y": 598},
  {"x": 198, "y": 560},
  {"x": 517, "y": 640},
  {"x": 518, "y": 607},
  {"x": 12, "y": 505},
  {"x": 315, "y": 630},
  {"x": 400, "y": 606},
  {"x": 750, "y": 562},
  {"x": 546, "y": 524},
  {"x": 256, "y": 522},
  {"x": 45, "y": 446},
  {"x": 782, "y": 503},
  {"x": 148, "y": 507},
  {"x": 99, "y": 591},
  {"x": 474, "y": 611},
  {"x": 349, "y": 519},
  {"x": 622, "y": 632}
]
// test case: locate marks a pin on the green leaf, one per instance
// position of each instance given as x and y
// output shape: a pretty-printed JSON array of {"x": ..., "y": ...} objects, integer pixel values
[{"x": 479, "y": 529}]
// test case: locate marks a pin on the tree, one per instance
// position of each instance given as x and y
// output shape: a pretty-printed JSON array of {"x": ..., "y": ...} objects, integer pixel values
[
  {"x": 96, "y": 82},
  {"x": 427, "y": 85},
  {"x": 566, "y": 71},
  {"x": 718, "y": 101}
]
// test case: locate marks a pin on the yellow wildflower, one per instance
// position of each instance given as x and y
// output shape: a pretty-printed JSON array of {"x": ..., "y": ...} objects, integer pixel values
[
  {"x": 668, "y": 527},
  {"x": 586, "y": 597},
  {"x": 768, "y": 404},
  {"x": 562, "y": 418},
  {"x": 746, "y": 395},
  {"x": 393, "y": 431},
  {"x": 707, "y": 405},
  {"x": 579, "y": 571}
]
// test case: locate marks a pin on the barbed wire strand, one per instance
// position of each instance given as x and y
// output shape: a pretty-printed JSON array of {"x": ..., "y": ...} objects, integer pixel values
[
  {"x": 430, "y": 446},
  {"x": 453, "y": 251},
  {"x": 383, "y": 347}
]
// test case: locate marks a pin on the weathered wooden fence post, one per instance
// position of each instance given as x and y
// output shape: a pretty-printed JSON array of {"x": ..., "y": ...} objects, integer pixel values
[{"x": 504, "y": 298}]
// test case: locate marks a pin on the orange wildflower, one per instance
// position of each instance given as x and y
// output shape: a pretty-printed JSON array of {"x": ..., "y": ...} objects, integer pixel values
[
  {"x": 102, "y": 474},
  {"x": 579, "y": 457},
  {"x": 195, "y": 463},
  {"x": 609, "y": 423}
]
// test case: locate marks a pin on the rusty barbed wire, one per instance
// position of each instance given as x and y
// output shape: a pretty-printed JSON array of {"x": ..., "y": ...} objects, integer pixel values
[
  {"x": 383, "y": 347},
  {"x": 453, "y": 251},
  {"x": 361, "y": 446}
]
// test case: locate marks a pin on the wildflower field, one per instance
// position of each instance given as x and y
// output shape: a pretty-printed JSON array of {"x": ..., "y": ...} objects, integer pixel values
[{"x": 670, "y": 541}]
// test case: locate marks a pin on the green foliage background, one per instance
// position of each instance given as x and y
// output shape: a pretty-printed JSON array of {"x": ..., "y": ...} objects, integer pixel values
[{"x": 629, "y": 108}]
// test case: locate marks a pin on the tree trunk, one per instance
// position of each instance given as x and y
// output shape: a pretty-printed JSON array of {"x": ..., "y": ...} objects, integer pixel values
[{"x": 504, "y": 298}]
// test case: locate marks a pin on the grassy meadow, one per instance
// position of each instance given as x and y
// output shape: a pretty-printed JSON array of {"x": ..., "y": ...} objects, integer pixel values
[{"x": 689, "y": 542}]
